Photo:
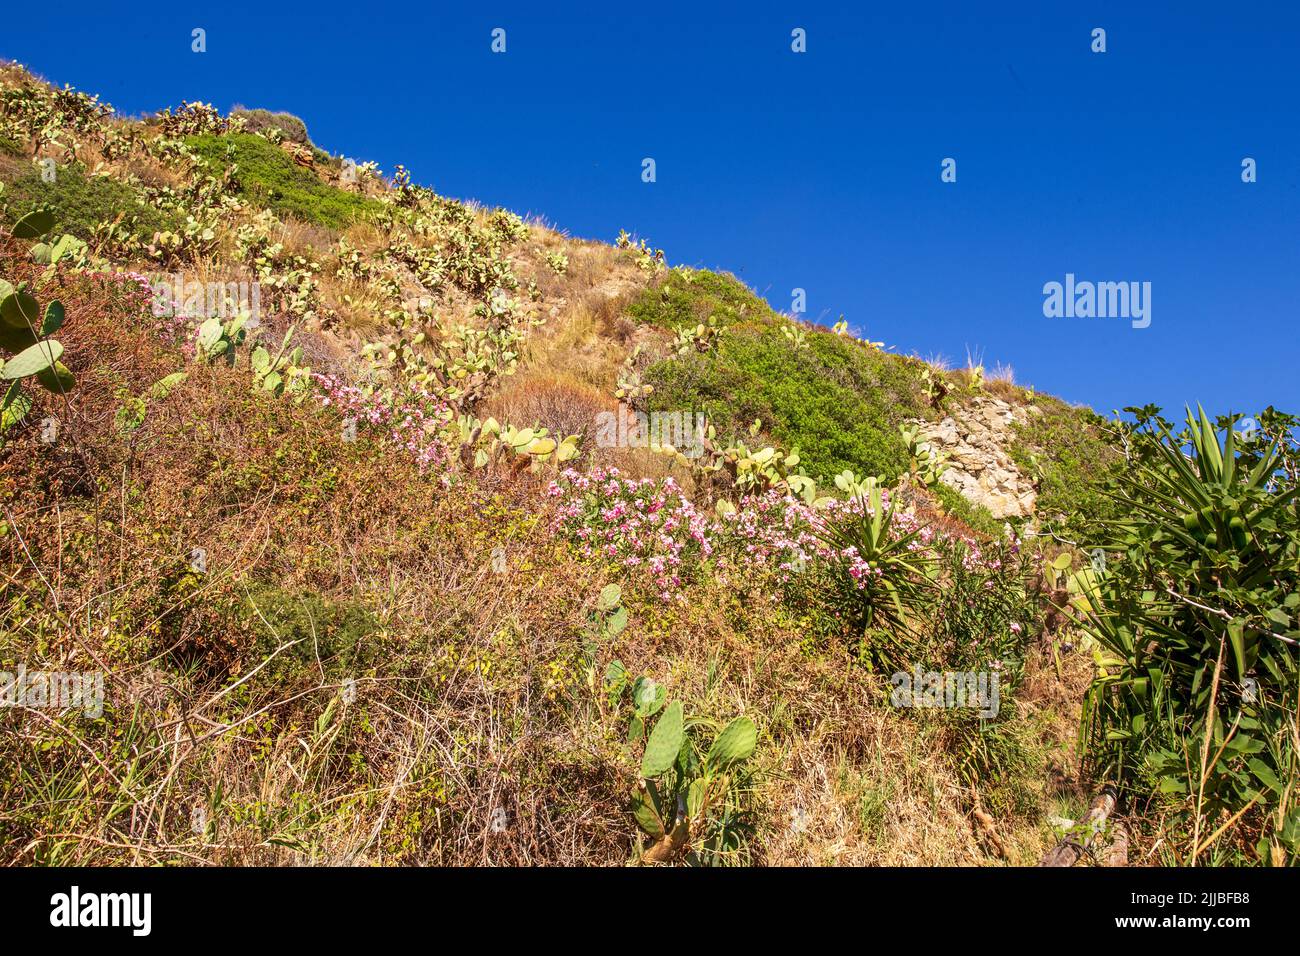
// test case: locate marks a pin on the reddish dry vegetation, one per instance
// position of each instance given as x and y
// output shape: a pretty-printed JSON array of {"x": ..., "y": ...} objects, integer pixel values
[
  {"x": 330, "y": 562},
  {"x": 316, "y": 652}
]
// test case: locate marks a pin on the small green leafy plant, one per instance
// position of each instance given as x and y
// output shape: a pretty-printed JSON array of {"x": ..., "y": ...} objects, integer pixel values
[
  {"x": 25, "y": 330},
  {"x": 690, "y": 800}
]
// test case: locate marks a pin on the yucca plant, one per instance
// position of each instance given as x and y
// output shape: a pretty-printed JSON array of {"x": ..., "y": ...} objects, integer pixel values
[
  {"x": 1196, "y": 693},
  {"x": 881, "y": 576}
]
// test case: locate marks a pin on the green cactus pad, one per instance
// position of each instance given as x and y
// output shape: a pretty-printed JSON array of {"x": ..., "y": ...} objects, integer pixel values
[
  {"x": 34, "y": 225},
  {"x": 734, "y": 744},
  {"x": 57, "y": 379},
  {"x": 33, "y": 359},
  {"x": 664, "y": 743},
  {"x": 20, "y": 310}
]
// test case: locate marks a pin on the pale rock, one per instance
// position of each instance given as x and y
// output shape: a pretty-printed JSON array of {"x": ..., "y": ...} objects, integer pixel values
[{"x": 975, "y": 438}]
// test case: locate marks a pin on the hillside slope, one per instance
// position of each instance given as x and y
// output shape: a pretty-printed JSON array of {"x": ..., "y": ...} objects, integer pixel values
[{"x": 331, "y": 498}]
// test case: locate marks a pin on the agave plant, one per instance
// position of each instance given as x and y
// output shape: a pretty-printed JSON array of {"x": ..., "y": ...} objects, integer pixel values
[{"x": 1199, "y": 621}]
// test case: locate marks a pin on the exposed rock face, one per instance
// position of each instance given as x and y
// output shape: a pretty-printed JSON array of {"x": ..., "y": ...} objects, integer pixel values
[{"x": 975, "y": 438}]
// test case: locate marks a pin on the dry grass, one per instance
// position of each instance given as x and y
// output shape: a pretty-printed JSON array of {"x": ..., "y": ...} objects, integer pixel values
[
  {"x": 352, "y": 680},
  {"x": 471, "y": 696}
]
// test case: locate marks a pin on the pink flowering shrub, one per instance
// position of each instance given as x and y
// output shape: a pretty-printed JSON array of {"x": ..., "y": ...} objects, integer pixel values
[
  {"x": 865, "y": 568},
  {"x": 649, "y": 525},
  {"x": 771, "y": 532},
  {"x": 643, "y": 525},
  {"x": 414, "y": 428}
]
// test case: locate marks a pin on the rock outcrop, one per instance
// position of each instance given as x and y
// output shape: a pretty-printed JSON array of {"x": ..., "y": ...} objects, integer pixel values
[{"x": 975, "y": 438}]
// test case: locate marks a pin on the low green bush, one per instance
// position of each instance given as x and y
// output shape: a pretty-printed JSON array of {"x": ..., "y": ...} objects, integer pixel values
[
  {"x": 839, "y": 402},
  {"x": 268, "y": 176},
  {"x": 1068, "y": 449},
  {"x": 691, "y": 296},
  {"x": 958, "y": 506},
  {"x": 319, "y": 629},
  {"x": 80, "y": 202}
]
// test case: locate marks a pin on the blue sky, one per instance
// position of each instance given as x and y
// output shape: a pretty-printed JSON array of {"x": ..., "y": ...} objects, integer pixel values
[{"x": 820, "y": 170}]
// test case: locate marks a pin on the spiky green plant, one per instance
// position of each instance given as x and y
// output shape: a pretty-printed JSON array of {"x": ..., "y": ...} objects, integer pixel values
[
  {"x": 1198, "y": 613},
  {"x": 881, "y": 579}
]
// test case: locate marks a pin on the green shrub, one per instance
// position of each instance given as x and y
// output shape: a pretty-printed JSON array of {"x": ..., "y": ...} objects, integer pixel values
[
  {"x": 257, "y": 120},
  {"x": 837, "y": 401},
  {"x": 334, "y": 633},
  {"x": 1067, "y": 449},
  {"x": 269, "y": 177},
  {"x": 80, "y": 202},
  {"x": 1198, "y": 612},
  {"x": 691, "y": 296}
]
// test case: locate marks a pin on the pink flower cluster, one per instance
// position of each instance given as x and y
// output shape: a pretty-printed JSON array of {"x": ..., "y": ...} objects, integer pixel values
[
  {"x": 642, "y": 524},
  {"x": 135, "y": 292},
  {"x": 414, "y": 429},
  {"x": 650, "y": 524},
  {"x": 770, "y": 530}
]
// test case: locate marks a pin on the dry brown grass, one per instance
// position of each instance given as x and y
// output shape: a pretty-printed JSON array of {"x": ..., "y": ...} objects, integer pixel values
[
  {"x": 474, "y": 694},
  {"x": 569, "y": 348},
  {"x": 474, "y": 699}
]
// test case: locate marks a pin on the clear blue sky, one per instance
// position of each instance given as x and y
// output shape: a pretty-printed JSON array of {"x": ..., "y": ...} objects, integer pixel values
[{"x": 820, "y": 170}]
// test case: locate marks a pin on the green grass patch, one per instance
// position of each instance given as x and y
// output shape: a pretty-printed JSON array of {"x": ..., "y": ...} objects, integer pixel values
[
  {"x": 838, "y": 401},
  {"x": 1067, "y": 449},
  {"x": 81, "y": 202},
  {"x": 958, "y": 506},
  {"x": 269, "y": 177}
]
